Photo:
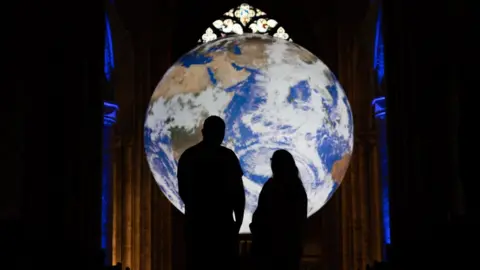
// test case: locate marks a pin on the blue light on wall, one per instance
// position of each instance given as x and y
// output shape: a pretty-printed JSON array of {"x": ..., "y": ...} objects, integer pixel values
[
  {"x": 381, "y": 114},
  {"x": 378, "y": 54},
  {"x": 105, "y": 193},
  {"x": 109, "y": 63},
  {"x": 108, "y": 120}
]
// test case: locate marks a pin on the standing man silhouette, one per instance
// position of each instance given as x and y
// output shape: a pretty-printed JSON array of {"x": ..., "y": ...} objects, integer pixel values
[{"x": 211, "y": 187}]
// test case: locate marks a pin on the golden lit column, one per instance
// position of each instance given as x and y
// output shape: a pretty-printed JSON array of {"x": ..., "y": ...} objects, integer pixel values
[{"x": 360, "y": 193}]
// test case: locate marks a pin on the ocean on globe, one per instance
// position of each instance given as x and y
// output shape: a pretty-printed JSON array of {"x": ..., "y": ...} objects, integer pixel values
[{"x": 273, "y": 94}]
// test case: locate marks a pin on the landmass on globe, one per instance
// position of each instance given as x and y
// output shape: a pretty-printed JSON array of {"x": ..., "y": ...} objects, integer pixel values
[{"x": 272, "y": 94}]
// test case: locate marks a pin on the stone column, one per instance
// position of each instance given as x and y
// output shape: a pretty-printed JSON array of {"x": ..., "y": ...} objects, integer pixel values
[
  {"x": 109, "y": 118},
  {"x": 380, "y": 111}
]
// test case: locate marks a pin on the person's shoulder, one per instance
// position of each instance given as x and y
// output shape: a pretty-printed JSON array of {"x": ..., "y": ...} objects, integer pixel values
[
  {"x": 189, "y": 152},
  {"x": 267, "y": 187},
  {"x": 267, "y": 183},
  {"x": 227, "y": 152}
]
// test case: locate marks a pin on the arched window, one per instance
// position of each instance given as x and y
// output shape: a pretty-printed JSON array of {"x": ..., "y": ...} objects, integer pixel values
[{"x": 243, "y": 19}]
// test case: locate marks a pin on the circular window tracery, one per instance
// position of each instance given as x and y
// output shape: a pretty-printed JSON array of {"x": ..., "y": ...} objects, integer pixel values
[{"x": 243, "y": 19}]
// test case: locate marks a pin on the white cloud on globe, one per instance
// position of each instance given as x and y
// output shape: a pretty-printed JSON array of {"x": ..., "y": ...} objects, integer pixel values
[{"x": 273, "y": 94}]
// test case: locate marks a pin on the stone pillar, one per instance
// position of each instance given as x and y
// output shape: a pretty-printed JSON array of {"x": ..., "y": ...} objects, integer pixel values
[
  {"x": 380, "y": 111},
  {"x": 109, "y": 118}
]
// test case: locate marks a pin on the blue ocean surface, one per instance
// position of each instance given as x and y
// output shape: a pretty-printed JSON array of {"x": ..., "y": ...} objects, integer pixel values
[
  {"x": 160, "y": 161},
  {"x": 332, "y": 148},
  {"x": 194, "y": 58},
  {"x": 247, "y": 98},
  {"x": 300, "y": 91}
]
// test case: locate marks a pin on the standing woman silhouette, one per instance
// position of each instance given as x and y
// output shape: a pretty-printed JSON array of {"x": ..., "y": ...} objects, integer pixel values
[{"x": 278, "y": 223}]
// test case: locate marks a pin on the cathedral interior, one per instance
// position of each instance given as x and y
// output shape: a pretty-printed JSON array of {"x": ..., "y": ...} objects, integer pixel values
[{"x": 407, "y": 198}]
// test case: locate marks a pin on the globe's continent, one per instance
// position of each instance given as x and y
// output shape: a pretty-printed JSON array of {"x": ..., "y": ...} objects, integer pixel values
[{"x": 272, "y": 94}]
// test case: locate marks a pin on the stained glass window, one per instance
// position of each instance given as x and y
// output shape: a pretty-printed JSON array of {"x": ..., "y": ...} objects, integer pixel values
[{"x": 244, "y": 19}]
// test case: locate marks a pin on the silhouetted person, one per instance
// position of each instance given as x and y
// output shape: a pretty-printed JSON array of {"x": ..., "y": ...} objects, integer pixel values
[
  {"x": 210, "y": 185},
  {"x": 278, "y": 223}
]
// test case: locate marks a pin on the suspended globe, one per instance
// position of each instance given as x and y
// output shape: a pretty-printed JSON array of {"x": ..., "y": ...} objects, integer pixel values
[{"x": 273, "y": 94}]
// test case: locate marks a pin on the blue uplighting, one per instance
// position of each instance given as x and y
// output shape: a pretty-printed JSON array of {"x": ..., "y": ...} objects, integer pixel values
[
  {"x": 380, "y": 113},
  {"x": 105, "y": 197},
  {"x": 378, "y": 54},
  {"x": 109, "y": 119},
  {"x": 380, "y": 109},
  {"x": 108, "y": 52}
]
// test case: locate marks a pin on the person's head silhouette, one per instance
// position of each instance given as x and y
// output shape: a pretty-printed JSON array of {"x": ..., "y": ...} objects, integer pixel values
[
  {"x": 213, "y": 130},
  {"x": 283, "y": 164}
]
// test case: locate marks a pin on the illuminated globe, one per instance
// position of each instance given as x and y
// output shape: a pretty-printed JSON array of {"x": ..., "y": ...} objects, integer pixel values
[{"x": 272, "y": 94}]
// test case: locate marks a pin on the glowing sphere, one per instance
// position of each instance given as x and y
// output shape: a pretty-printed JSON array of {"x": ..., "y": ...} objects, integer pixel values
[{"x": 272, "y": 94}]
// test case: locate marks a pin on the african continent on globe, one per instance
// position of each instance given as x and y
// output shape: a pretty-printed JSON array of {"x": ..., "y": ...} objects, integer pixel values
[{"x": 272, "y": 94}]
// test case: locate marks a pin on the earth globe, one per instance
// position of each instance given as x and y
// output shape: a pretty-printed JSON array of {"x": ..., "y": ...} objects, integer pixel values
[{"x": 273, "y": 94}]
